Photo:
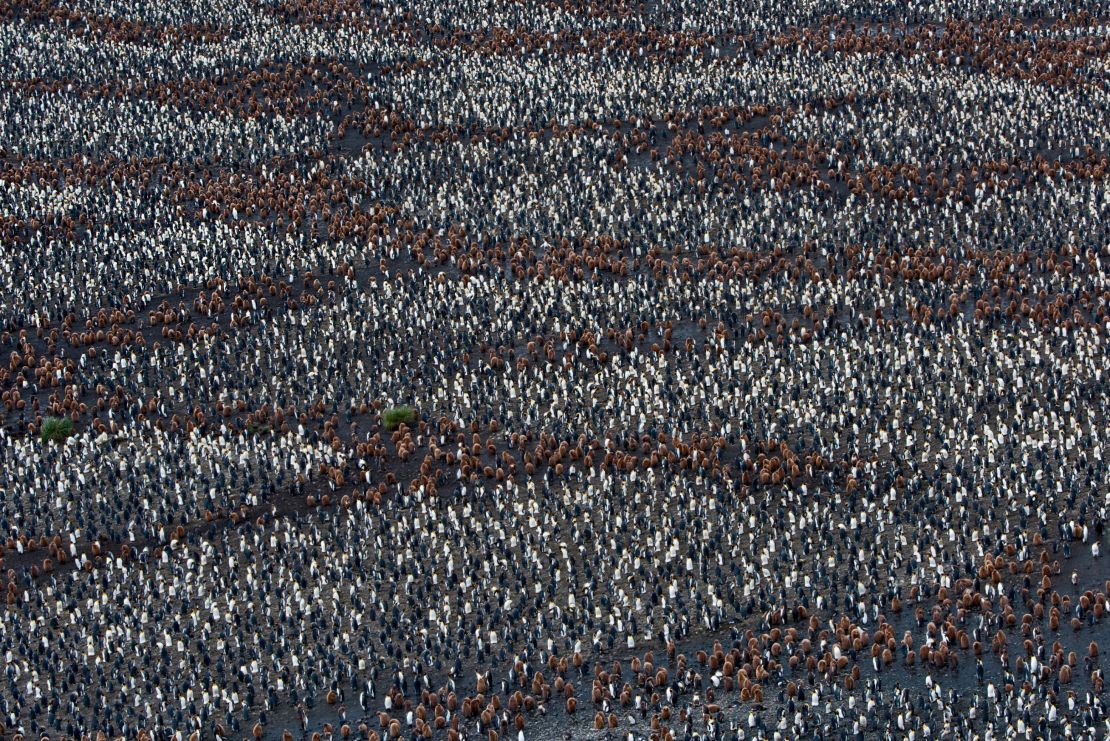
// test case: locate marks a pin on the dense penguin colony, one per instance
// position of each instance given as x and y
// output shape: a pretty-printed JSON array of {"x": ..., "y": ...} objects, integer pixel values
[{"x": 755, "y": 353}]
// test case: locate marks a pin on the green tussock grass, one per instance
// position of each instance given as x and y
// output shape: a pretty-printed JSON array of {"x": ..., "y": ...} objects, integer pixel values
[
  {"x": 56, "y": 429},
  {"x": 394, "y": 417}
]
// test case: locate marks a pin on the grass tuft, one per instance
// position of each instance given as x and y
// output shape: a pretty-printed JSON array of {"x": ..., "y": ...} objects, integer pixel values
[
  {"x": 394, "y": 417},
  {"x": 56, "y": 429}
]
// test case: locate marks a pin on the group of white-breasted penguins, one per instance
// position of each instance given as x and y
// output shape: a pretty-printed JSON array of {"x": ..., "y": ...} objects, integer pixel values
[{"x": 504, "y": 370}]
